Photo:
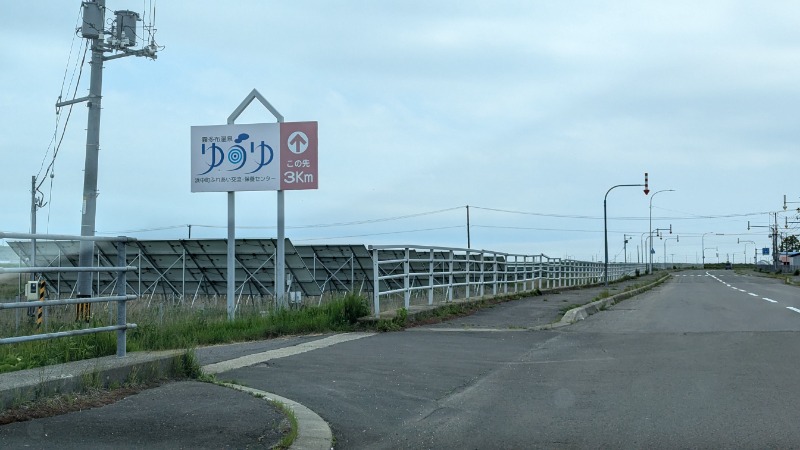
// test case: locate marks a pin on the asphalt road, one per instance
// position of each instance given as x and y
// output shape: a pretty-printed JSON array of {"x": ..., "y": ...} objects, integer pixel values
[
  {"x": 183, "y": 415},
  {"x": 701, "y": 362}
]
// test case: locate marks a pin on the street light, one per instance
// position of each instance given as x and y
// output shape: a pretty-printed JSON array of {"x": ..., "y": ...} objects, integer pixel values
[
  {"x": 649, "y": 249},
  {"x": 703, "y": 244},
  {"x": 605, "y": 220},
  {"x": 641, "y": 240},
  {"x": 745, "y": 249},
  {"x": 658, "y": 235},
  {"x": 677, "y": 239}
]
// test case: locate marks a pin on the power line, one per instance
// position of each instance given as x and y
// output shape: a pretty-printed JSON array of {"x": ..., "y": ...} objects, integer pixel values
[
  {"x": 339, "y": 224},
  {"x": 378, "y": 234},
  {"x": 66, "y": 122},
  {"x": 527, "y": 213},
  {"x": 573, "y": 216},
  {"x": 540, "y": 229},
  {"x": 63, "y": 81}
]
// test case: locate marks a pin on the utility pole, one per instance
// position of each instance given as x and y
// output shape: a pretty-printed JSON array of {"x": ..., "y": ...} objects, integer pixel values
[
  {"x": 122, "y": 37},
  {"x": 89, "y": 208},
  {"x": 773, "y": 228},
  {"x": 625, "y": 238},
  {"x": 34, "y": 206},
  {"x": 775, "y": 256}
]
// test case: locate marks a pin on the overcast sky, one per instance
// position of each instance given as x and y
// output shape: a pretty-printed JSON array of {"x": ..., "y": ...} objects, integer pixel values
[{"x": 528, "y": 111}]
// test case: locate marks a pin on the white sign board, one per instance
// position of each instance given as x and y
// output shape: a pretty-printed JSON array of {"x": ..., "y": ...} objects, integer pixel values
[
  {"x": 235, "y": 158},
  {"x": 254, "y": 157}
]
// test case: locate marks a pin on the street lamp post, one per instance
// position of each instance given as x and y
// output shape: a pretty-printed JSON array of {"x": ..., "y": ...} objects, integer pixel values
[
  {"x": 642, "y": 240},
  {"x": 745, "y": 248},
  {"x": 649, "y": 248},
  {"x": 703, "y": 244},
  {"x": 605, "y": 222},
  {"x": 677, "y": 239}
]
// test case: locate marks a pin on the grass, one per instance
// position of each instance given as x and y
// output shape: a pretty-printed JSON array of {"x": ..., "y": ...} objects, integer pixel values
[
  {"x": 187, "y": 331},
  {"x": 288, "y": 438},
  {"x": 603, "y": 294}
]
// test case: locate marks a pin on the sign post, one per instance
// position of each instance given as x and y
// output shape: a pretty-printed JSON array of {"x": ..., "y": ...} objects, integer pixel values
[{"x": 254, "y": 157}]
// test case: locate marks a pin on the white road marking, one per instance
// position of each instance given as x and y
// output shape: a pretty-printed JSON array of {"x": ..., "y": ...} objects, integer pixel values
[
  {"x": 754, "y": 295},
  {"x": 741, "y": 290},
  {"x": 257, "y": 358},
  {"x": 469, "y": 330},
  {"x": 793, "y": 309},
  {"x": 769, "y": 300}
]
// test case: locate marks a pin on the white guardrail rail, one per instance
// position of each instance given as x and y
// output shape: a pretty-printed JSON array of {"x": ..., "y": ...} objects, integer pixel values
[
  {"x": 121, "y": 298},
  {"x": 415, "y": 274}
]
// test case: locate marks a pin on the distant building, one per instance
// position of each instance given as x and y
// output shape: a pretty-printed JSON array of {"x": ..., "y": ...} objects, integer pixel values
[{"x": 790, "y": 258}]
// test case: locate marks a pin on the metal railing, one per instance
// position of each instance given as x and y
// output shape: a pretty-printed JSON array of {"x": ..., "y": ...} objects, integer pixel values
[
  {"x": 121, "y": 297},
  {"x": 426, "y": 272}
]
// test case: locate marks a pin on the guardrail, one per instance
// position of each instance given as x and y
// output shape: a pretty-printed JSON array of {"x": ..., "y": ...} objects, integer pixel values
[
  {"x": 464, "y": 273},
  {"x": 121, "y": 298}
]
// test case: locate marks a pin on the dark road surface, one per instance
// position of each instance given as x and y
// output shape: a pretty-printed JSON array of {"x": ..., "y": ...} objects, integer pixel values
[
  {"x": 693, "y": 363},
  {"x": 706, "y": 360}
]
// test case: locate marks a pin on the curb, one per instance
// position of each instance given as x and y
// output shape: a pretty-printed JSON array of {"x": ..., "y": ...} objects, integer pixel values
[
  {"x": 582, "y": 312},
  {"x": 415, "y": 311},
  {"x": 30, "y": 384},
  {"x": 313, "y": 433}
]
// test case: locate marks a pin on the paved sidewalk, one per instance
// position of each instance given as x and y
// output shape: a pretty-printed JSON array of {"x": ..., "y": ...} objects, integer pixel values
[{"x": 532, "y": 312}]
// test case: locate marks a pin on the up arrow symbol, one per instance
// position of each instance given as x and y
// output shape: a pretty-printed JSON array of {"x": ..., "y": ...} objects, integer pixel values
[{"x": 298, "y": 142}]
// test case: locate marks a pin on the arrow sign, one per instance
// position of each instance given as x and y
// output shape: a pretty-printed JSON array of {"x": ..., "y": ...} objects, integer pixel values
[
  {"x": 298, "y": 142},
  {"x": 299, "y": 165}
]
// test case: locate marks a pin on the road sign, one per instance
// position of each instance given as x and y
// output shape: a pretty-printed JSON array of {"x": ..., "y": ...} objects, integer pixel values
[
  {"x": 298, "y": 155},
  {"x": 765, "y": 251},
  {"x": 254, "y": 157}
]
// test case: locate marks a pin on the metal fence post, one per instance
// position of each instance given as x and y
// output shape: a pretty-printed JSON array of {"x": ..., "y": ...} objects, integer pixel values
[
  {"x": 406, "y": 290},
  {"x": 505, "y": 275},
  {"x": 467, "y": 274},
  {"x": 431, "y": 280},
  {"x": 450, "y": 278},
  {"x": 376, "y": 283},
  {"x": 483, "y": 280},
  {"x": 122, "y": 319},
  {"x": 494, "y": 274}
]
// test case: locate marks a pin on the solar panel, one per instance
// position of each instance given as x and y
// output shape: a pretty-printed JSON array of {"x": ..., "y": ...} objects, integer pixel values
[
  {"x": 187, "y": 269},
  {"x": 199, "y": 267}
]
